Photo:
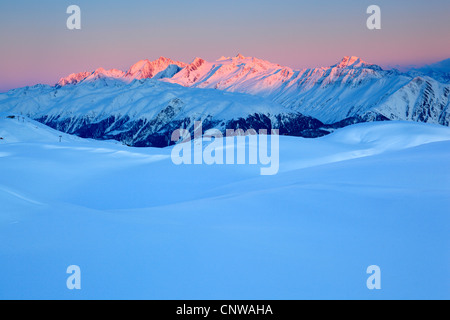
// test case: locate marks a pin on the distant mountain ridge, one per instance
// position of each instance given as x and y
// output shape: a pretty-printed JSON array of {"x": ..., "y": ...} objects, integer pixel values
[
  {"x": 141, "y": 106},
  {"x": 350, "y": 88},
  {"x": 439, "y": 71},
  {"x": 141, "y": 70},
  {"x": 145, "y": 112}
]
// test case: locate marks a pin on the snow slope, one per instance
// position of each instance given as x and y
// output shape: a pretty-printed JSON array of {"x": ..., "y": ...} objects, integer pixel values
[
  {"x": 19, "y": 129},
  {"x": 142, "y": 227},
  {"x": 145, "y": 112}
]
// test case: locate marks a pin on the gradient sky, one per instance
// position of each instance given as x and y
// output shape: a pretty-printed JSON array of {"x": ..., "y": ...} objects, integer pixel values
[{"x": 36, "y": 46}]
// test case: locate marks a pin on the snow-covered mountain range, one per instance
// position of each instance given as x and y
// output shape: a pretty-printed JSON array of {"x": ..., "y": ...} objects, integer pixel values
[
  {"x": 439, "y": 71},
  {"x": 141, "y": 70},
  {"x": 350, "y": 88},
  {"x": 145, "y": 112},
  {"x": 143, "y": 105}
]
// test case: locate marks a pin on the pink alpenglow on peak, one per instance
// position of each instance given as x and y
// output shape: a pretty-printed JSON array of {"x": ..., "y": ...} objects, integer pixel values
[
  {"x": 102, "y": 73},
  {"x": 148, "y": 69},
  {"x": 73, "y": 78},
  {"x": 232, "y": 74},
  {"x": 352, "y": 62},
  {"x": 99, "y": 73},
  {"x": 239, "y": 73},
  {"x": 237, "y": 57},
  {"x": 197, "y": 62},
  {"x": 141, "y": 70}
]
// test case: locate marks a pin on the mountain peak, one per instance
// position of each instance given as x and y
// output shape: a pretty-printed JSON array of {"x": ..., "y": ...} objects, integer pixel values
[
  {"x": 240, "y": 56},
  {"x": 350, "y": 61},
  {"x": 99, "y": 70},
  {"x": 197, "y": 59},
  {"x": 103, "y": 73},
  {"x": 73, "y": 78},
  {"x": 138, "y": 66},
  {"x": 354, "y": 62},
  {"x": 197, "y": 62},
  {"x": 147, "y": 69}
]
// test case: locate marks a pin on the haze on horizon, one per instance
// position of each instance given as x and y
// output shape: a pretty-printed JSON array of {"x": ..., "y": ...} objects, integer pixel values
[{"x": 38, "y": 48}]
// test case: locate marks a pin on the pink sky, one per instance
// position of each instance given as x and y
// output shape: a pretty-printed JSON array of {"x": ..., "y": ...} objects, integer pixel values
[{"x": 38, "y": 48}]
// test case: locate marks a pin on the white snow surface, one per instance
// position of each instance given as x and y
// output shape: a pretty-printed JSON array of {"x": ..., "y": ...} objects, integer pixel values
[{"x": 141, "y": 227}]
